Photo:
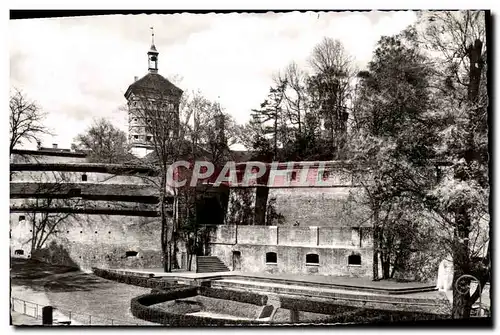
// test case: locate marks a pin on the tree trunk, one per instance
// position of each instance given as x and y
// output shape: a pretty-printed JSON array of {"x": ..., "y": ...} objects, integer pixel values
[
  {"x": 190, "y": 261},
  {"x": 164, "y": 225},
  {"x": 261, "y": 196},
  {"x": 386, "y": 265},
  {"x": 376, "y": 238},
  {"x": 461, "y": 302}
]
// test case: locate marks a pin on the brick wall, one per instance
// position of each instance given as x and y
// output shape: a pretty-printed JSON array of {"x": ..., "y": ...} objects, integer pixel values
[
  {"x": 95, "y": 240},
  {"x": 331, "y": 207}
]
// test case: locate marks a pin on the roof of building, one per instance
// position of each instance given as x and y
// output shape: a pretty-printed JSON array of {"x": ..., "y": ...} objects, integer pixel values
[
  {"x": 50, "y": 152},
  {"x": 153, "y": 83}
]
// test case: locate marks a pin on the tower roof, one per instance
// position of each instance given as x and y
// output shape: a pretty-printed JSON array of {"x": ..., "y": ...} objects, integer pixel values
[
  {"x": 153, "y": 83},
  {"x": 153, "y": 50}
]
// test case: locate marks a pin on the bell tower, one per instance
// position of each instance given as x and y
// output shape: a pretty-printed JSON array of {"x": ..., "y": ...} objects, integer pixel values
[
  {"x": 145, "y": 97},
  {"x": 152, "y": 55}
]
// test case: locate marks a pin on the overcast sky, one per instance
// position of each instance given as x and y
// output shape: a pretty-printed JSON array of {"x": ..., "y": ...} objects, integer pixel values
[{"x": 78, "y": 69}]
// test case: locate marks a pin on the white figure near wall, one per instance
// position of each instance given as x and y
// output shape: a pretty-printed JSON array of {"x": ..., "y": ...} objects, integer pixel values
[{"x": 445, "y": 276}]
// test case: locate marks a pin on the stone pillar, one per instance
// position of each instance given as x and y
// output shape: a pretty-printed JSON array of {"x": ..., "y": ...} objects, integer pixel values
[
  {"x": 314, "y": 235},
  {"x": 273, "y": 235},
  {"x": 445, "y": 276}
]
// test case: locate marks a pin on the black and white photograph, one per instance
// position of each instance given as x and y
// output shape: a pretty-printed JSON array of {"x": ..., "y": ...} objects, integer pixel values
[{"x": 250, "y": 168}]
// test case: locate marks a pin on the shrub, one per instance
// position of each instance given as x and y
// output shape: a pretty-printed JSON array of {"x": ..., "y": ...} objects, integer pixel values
[
  {"x": 312, "y": 306},
  {"x": 239, "y": 296},
  {"x": 140, "y": 308},
  {"x": 141, "y": 281},
  {"x": 345, "y": 314}
]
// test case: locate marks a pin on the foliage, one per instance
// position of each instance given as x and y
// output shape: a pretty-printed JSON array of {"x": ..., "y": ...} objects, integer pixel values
[
  {"x": 103, "y": 142},
  {"x": 142, "y": 307},
  {"x": 239, "y": 296}
]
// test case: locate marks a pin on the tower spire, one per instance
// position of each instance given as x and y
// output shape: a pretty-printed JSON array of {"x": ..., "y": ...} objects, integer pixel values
[{"x": 152, "y": 54}]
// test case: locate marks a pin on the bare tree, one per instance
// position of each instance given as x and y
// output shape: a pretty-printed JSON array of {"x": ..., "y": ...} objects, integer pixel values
[
  {"x": 157, "y": 111},
  {"x": 43, "y": 216},
  {"x": 26, "y": 119}
]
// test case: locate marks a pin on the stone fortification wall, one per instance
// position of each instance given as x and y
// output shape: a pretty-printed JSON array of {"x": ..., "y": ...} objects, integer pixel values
[
  {"x": 332, "y": 246},
  {"x": 94, "y": 240}
]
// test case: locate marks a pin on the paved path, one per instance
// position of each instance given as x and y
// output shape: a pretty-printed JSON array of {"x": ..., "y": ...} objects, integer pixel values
[
  {"x": 333, "y": 280},
  {"x": 19, "y": 319}
]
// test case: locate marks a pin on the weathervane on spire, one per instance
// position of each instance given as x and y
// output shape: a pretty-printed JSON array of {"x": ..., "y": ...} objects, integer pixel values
[{"x": 152, "y": 35}]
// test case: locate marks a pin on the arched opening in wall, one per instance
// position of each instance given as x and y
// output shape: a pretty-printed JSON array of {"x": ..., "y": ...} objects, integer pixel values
[
  {"x": 236, "y": 260},
  {"x": 312, "y": 259},
  {"x": 22, "y": 218},
  {"x": 271, "y": 257},
  {"x": 354, "y": 259},
  {"x": 84, "y": 177},
  {"x": 19, "y": 252},
  {"x": 131, "y": 253}
]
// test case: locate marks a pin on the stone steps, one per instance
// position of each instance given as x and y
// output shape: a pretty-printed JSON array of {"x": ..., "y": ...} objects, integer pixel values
[{"x": 207, "y": 264}]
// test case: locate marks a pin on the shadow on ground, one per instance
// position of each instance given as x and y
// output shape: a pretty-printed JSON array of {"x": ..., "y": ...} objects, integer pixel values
[{"x": 57, "y": 278}]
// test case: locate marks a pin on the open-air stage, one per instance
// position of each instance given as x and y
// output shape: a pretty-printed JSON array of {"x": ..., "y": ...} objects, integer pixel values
[{"x": 360, "y": 292}]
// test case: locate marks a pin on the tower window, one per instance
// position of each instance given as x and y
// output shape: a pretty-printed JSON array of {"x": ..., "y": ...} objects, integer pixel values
[
  {"x": 148, "y": 138},
  {"x": 18, "y": 252},
  {"x": 271, "y": 257},
  {"x": 293, "y": 175},
  {"x": 84, "y": 177},
  {"x": 136, "y": 137},
  {"x": 354, "y": 259},
  {"x": 130, "y": 253},
  {"x": 135, "y": 119},
  {"x": 325, "y": 175},
  {"x": 22, "y": 218},
  {"x": 312, "y": 259}
]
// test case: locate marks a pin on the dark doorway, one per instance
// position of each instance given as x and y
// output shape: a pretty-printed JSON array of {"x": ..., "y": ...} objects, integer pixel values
[
  {"x": 210, "y": 211},
  {"x": 236, "y": 261},
  {"x": 354, "y": 260}
]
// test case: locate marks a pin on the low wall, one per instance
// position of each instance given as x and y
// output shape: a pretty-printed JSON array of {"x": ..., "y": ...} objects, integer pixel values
[
  {"x": 292, "y": 260},
  {"x": 338, "y": 237}
]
